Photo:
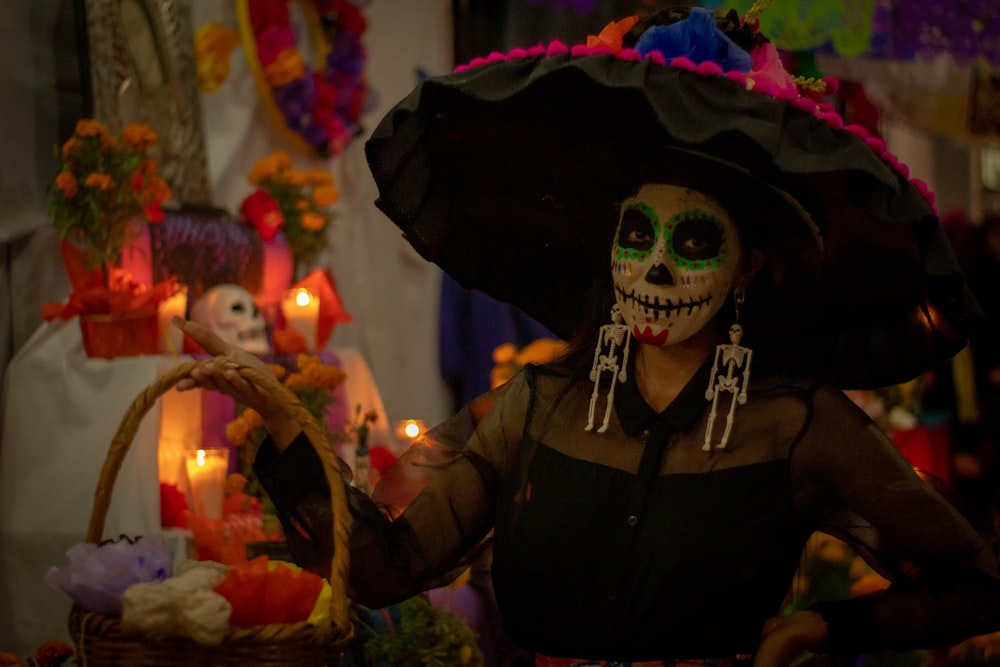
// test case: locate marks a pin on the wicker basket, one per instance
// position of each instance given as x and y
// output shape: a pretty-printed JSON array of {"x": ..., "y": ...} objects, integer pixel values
[{"x": 103, "y": 640}]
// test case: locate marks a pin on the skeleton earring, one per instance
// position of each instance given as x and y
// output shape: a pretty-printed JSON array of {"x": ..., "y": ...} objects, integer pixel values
[
  {"x": 613, "y": 337},
  {"x": 730, "y": 361}
]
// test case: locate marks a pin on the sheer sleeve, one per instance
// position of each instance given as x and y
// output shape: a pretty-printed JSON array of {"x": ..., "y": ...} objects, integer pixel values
[
  {"x": 426, "y": 517},
  {"x": 945, "y": 587}
]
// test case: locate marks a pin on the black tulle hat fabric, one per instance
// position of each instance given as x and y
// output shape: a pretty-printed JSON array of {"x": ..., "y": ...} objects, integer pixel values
[{"x": 508, "y": 175}]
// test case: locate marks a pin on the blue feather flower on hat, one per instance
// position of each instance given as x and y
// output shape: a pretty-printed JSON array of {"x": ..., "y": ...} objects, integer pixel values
[{"x": 697, "y": 38}]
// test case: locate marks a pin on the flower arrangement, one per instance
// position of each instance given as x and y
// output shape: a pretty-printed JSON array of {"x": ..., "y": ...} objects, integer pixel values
[
  {"x": 103, "y": 184},
  {"x": 294, "y": 202},
  {"x": 319, "y": 108},
  {"x": 313, "y": 383}
]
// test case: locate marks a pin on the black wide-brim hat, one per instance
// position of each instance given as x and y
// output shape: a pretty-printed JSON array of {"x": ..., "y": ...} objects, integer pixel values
[{"x": 508, "y": 174}]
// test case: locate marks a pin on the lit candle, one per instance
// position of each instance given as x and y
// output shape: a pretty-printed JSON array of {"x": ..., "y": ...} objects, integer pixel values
[
  {"x": 207, "y": 470},
  {"x": 172, "y": 338},
  {"x": 301, "y": 310},
  {"x": 408, "y": 430}
]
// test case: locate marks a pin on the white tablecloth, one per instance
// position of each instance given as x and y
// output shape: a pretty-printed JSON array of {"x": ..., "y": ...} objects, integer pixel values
[{"x": 61, "y": 410}]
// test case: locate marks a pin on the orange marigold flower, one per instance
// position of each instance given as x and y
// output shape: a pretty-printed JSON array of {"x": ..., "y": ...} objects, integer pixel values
[
  {"x": 303, "y": 360},
  {"x": 90, "y": 127},
  {"x": 138, "y": 136},
  {"x": 236, "y": 432},
  {"x": 319, "y": 177},
  {"x": 66, "y": 182},
  {"x": 235, "y": 483},
  {"x": 99, "y": 181},
  {"x": 314, "y": 222},
  {"x": 296, "y": 380},
  {"x": 268, "y": 167},
  {"x": 324, "y": 376},
  {"x": 302, "y": 204},
  {"x": 156, "y": 189},
  {"x": 252, "y": 418},
  {"x": 326, "y": 195},
  {"x": 53, "y": 653},
  {"x": 297, "y": 178},
  {"x": 70, "y": 148},
  {"x": 10, "y": 660},
  {"x": 278, "y": 370},
  {"x": 287, "y": 67}
]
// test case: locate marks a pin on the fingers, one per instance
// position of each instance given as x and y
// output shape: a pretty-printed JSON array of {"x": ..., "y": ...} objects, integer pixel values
[
  {"x": 203, "y": 336},
  {"x": 221, "y": 375}
]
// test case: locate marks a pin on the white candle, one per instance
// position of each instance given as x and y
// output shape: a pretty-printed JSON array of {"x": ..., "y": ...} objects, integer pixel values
[
  {"x": 301, "y": 310},
  {"x": 172, "y": 338},
  {"x": 207, "y": 470}
]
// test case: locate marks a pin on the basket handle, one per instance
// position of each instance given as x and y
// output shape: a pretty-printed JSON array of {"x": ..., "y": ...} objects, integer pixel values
[{"x": 339, "y": 606}]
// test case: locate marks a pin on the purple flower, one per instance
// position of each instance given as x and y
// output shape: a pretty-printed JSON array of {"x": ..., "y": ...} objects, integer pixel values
[
  {"x": 97, "y": 576},
  {"x": 297, "y": 98},
  {"x": 348, "y": 53},
  {"x": 698, "y": 38}
]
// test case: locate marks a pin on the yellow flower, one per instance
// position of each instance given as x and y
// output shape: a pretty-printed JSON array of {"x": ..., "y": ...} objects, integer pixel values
[
  {"x": 138, "y": 136},
  {"x": 213, "y": 45},
  {"x": 326, "y": 195},
  {"x": 66, "y": 182},
  {"x": 295, "y": 380},
  {"x": 287, "y": 67},
  {"x": 99, "y": 181},
  {"x": 314, "y": 222}
]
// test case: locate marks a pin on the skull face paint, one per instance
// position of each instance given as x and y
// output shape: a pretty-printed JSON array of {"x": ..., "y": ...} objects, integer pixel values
[{"x": 673, "y": 262}]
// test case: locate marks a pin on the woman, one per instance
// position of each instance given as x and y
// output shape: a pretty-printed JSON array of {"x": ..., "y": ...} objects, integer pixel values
[{"x": 650, "y": 494}]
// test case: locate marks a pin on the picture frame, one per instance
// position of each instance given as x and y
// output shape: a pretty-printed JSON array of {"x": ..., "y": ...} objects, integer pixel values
[{"x": 142, "y": 69}]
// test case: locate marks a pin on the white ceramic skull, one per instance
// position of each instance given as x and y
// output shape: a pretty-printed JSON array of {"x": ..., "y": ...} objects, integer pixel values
[
  {"x": 230, "y": 312},
  {"x": 673, "y": 262}
]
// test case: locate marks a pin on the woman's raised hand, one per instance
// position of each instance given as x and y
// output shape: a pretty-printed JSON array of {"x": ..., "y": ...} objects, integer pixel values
[{"x": 221, "y": 374}]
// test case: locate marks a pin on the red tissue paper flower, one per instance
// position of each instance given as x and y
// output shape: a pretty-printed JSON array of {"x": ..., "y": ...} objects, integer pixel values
[
  {"x": 263, "y": 593},
  {"x": 262, "y": 211}
]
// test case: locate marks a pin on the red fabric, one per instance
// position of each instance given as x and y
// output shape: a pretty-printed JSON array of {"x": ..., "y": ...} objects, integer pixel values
[{"x": 90, "y": 295}]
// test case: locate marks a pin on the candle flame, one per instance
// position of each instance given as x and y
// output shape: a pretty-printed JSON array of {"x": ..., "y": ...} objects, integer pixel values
[
  {"x": 201, "y": 458},
  {"x": 303, "y": 297},
  {"x": 412, "y": 429}
]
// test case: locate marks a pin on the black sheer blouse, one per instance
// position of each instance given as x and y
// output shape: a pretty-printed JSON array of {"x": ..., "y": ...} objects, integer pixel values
[{"x": 636, "y": 544}]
